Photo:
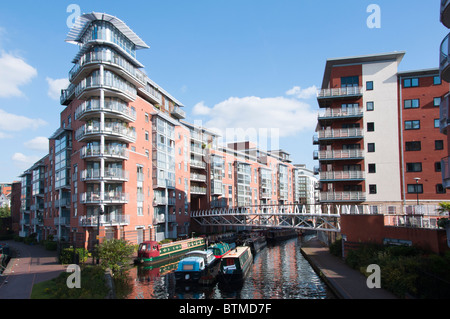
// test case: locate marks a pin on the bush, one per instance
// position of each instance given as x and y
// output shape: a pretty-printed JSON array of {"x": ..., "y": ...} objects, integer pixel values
[
  {"x": 50, "y": 245},
  {"x": 115, "y": 254},
  {"x": 336, "y": 248},
  {"x": 67, "y": 254}
]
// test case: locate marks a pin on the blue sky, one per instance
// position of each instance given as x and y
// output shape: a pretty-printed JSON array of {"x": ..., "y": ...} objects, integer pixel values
[{"x": 250, "y": 64}]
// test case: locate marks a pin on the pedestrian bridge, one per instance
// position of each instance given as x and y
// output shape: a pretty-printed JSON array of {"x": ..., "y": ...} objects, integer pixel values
[
  {"x": 307, "y": 217},
  {"x": 324, "y": 217}
]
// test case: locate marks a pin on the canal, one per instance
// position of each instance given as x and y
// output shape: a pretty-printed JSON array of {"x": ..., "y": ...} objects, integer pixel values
[{"x": 279, "y": 271}]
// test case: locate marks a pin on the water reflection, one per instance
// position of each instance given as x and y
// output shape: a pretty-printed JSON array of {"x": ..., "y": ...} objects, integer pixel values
[{"x": 278, "y": 272}]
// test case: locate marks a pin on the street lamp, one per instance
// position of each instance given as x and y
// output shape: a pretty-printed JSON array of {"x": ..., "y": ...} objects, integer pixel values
[{"x": 417, "y": 188}]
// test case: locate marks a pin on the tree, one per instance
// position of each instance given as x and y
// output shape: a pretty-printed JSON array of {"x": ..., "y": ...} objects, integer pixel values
[
  {"x": 5, "y": 212},
  {"x": 444, "y": 208},
  {"x": 115, "y": 254}
]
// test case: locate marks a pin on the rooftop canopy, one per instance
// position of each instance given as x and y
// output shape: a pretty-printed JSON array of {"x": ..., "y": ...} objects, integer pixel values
[{"x": 83, "y": 22}]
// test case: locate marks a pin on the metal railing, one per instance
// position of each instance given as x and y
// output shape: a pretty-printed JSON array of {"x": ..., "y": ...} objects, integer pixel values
[
  {"x": 339, "y": 92},
  {"x": 341, "y": 133}
]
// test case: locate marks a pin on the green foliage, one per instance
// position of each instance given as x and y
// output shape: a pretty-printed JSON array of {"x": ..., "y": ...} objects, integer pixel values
[
  {"x": 115, "y": 254},
  {"x": 405, "y": 270},
  {"x": 50, "y": 245},
  {"x": 67, "y": 254},
  {"x": 336, "y": 248},
  {"x": 5, "y": 212},
  {"x": 444, "y": 208},
  {"x": 92, "y": 286}
]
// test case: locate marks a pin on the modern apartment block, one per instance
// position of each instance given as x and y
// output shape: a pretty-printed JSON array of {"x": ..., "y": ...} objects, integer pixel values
[
  {"x": 123, "y": 162},
  {"x": 444, "y": 68},
  {"x": 378, "y": 132}
]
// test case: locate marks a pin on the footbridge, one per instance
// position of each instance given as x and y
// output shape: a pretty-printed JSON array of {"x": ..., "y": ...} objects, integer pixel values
[{"x": 298, "y": 216}]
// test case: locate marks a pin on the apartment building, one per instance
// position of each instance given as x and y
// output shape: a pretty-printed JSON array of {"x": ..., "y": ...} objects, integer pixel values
[
  {"x": 124, "y": 164},
  {"x": 378, "y": 132},
  {"x": 444, "y": 68}
]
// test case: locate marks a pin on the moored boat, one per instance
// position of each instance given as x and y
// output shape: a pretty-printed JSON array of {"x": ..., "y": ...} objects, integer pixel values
[
  {"x": 151, "y": 252},
  {"x": 220, "y": 249},
  {"x": 256, "y": 243},
  {"x": 235, "y": 265},
  {"x": 198, "y": 267},
  {"x": 274, "y": 235},
  {"x": 4, "y": 256}
]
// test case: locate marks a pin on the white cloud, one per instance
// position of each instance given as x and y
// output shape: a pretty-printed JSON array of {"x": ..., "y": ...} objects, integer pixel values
[
  {"x": 55, "y": 86},
  {"x": 15, "y": 123},
  {"x": 39, "y": 143},
  {"x": 15, "y": 73},
  {"x": 4, "y": 135},
  {"x": 24, "y": 161},
  {"x": 303, "y": 94},
  {"x": 201, "y": 109},
  {"x": 287, "y": 116}
]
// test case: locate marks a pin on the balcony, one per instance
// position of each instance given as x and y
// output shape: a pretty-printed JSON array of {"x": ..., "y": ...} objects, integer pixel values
[
  {"x": 197, "y": 164},
  {"x": 349, "y": 133},
  {"x": 197, "y": 150},
  {"x": 67, "y": 95},
  {"x": 445, "y": 169},
  {"x": 114, "y": 108},
  {"x": 162, "y": 201},
  {"x": 342, "y": 197},
  {"x": 105, "y": 220},
  {"x": 198, "y": 190},
  {"x": 63, "y": 202},
  {"x": 61, "y": 221},
  {"x": 445, "y": 13},
  {"x": 339, "y": 155},
  {"x": 113, "y": 151},
  {"x": 110, "y": 174},
  {"x": 342, "y": 176},
  {"x": 339, "y": 93},
  {"x": 339, "y": 113},
  {"x": 444, "y": 112},
  {"x": 444, "y": 62},
  {"x": 198, "y": 177},
  {"x": 178, "y": 113},
  {"x": 108, "y": 198},
  {"x": 117, "y": 130},
  {"x": 163, "y": 183},
  {"x": 90, "y": 60}
]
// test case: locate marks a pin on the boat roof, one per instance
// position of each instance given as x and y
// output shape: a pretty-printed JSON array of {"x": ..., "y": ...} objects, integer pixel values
[
  {"x": 236, "y": 252},
  {"x": 191, "y": 259},
  {"x": 199, "y": 252}
]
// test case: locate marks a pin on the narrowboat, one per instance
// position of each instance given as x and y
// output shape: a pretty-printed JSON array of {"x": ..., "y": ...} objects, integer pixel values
[
  {"x": 235, "y": 265},
  {"x": 220, "y": 249},
  {"x": 4, "y": 256},
  {"x": 150, "y": 252},
  {"x": 274, "y": 235},
  {"x": 211, "y": 271},
  {"x": 256, "y": 243}
]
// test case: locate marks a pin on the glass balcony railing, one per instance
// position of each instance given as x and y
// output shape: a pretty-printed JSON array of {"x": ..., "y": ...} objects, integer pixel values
[
  {"x": 444, "y": 63},
  {"x": 113, "y": 151},
  {"x": 115, "y": 174},
  {"x": 342, "y": 196},
  {"x": 339, "y": 155},
  {"x": 330, "y": 113},
  {"x": 340, "y": 133},
  {"x": 178, "y": 113},
  {"x": 340, "y": 92},
  {"x": 104, "y": 220},
  {"x": 342, "y": 175},
  {"x": 445, "y": 169},
  {"x": 112, "y": 197},
  {"x": 116, "y": 129},
  {"x": 111, "y": 105},
  {"x": 445, "y": 13}
]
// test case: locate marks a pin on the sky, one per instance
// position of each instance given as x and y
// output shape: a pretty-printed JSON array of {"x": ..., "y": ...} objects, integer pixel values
[{"x": 237, "y": 66}]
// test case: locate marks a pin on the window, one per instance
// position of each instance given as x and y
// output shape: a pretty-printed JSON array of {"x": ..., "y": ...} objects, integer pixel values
[
  {"x": 372, "y": 189},
  {"x": 371, "y": 147},
  {"x": 439, "y": 145},
  {"x": 372, "y": 168},
  {"x": 412, "y": 104},
  {"x": 437, "y": 166},
  {"x": 440, "y": 189},
  {"x": 437, "y": 101},
  {"x": 370, "y": 127},
  {"x": 411, "y": 82},
  {"x": 412, "y": 125},
  {"x": 369, "y": 85},
  {"x": 349, "y": 81},
  {"x": 437, "y": 80},
  {"x": 413, "y": 167},
  {"x": 370, "y": 106},
  {"x": 146, "y": 136},
  {"x": 413, "y": 146},
  {"x": 415, "y": 188},
  {"x": 436, "y": 122}
]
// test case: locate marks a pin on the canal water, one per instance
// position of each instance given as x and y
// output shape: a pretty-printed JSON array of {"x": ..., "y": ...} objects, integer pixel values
[{"x": 279, "y": 271}]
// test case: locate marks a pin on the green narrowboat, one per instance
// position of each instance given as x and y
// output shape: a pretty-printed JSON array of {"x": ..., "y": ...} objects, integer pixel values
[
  {"x": 150, "y": 252},
  {"x": 235, "y": 265}
]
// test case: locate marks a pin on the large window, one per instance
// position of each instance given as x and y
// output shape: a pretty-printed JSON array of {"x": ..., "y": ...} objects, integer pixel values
[
  {"x": 413, "y": 167},
  {"x": 411, "y": 82},
  {"x": 412, "y": 104},
  {"x": 415, "y": 188},
  {"x": 349, "y": 81},
  {"x": 413, "y": 146}
]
